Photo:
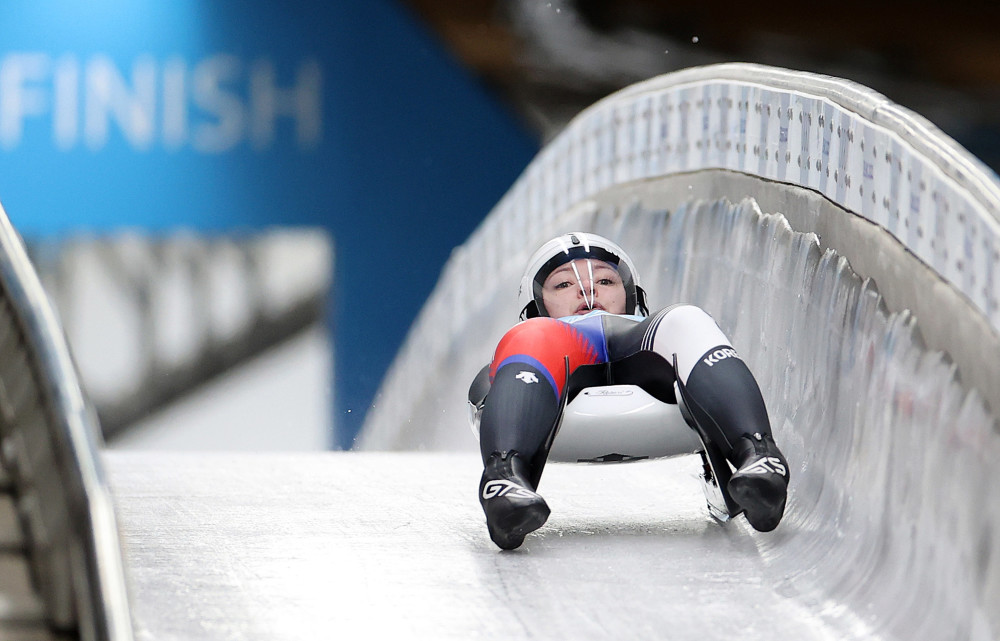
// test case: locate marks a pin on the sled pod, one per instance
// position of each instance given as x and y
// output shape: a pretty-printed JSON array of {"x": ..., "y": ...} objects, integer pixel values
[{"x": 616, "y": 423}]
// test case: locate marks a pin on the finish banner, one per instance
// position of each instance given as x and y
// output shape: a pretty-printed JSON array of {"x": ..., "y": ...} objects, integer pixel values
[{"x": 226, "y": 115}]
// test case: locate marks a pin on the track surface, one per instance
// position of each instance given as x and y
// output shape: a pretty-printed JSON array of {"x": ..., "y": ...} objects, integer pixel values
[{"x": 372, "y": 545}]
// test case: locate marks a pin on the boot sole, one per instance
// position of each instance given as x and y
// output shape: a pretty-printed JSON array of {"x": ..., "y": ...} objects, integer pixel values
[
  {"x": 762, "y": 497},
  {"x": 509, "y": 532}
]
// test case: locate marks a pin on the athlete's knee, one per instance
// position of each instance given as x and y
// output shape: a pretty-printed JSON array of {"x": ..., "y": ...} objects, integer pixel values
[
  {"x": 684, "y": 316},
  {"x": 529, "y": 341},
  {"x": 528, "y": 334},
  {"x": 688, "y": 332}
]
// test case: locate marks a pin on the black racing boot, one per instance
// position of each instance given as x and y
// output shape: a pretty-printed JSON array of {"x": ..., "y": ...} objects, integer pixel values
[
  {"x": 512, "y": 508},
  {"x": 760, "y": 483}
]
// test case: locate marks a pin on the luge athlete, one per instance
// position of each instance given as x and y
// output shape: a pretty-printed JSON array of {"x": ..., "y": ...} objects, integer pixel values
[{"x": 585, "y": 308}]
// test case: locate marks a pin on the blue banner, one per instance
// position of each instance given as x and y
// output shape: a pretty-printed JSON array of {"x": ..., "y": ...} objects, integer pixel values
[{"x": 229, "y": 115}]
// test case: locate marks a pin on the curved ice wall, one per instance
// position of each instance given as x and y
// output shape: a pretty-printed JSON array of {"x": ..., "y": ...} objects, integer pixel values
[
  {"x": 50, "y": 465},
  {"x": 849, "y": 249}
]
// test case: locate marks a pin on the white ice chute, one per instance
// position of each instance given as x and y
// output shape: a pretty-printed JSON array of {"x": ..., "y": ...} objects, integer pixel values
[{"x": 803, "y": 336}]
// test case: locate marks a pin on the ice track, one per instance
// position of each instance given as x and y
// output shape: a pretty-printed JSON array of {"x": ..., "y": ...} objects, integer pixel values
[
  {"x": 848, "y": 248},
  {"x": 371, "y": 545}
]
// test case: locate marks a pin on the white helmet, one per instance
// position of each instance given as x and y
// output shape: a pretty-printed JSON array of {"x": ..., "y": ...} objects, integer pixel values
[{"x": 562, "y": 249}]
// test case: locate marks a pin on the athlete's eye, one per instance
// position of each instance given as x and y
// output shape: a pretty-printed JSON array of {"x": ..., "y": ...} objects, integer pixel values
[
  {"x": 607, "y": 282},
  {"x": 563, "y": 285}
]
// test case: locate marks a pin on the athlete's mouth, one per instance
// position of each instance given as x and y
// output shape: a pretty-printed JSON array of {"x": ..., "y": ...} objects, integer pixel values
[{"x": 586, "y": 309}]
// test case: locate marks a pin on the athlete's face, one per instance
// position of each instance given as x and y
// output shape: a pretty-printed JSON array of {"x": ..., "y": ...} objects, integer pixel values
[{"x": 582, "y": 285}]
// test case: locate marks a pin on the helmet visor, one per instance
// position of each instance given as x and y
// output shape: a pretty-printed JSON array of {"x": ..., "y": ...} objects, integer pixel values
[{"x": 581, "y": 285}]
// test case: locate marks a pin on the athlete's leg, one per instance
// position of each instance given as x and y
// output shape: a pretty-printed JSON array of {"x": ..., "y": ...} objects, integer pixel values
[
  {"x": 726, "y": 401},
  {"x": 529, "y": 374}
]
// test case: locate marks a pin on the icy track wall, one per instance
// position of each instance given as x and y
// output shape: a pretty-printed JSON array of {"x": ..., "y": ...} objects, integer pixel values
[
  {"x": 891, "y": 526},
  {"x": 50, "y": 465}
]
